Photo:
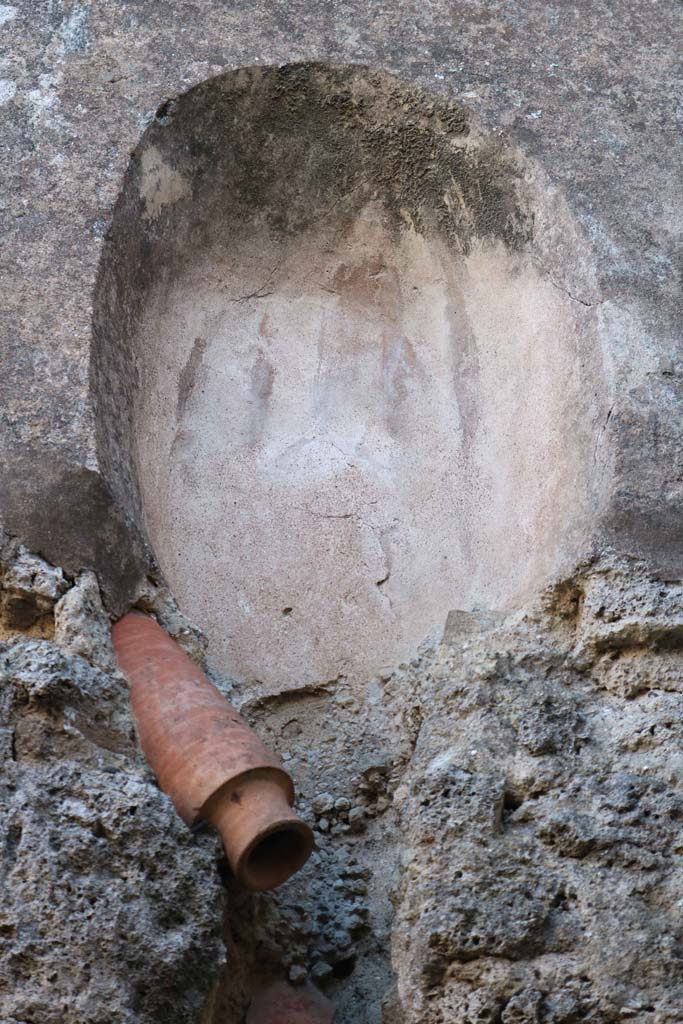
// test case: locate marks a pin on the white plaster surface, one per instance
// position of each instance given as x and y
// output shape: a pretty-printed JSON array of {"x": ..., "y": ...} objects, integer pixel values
[{"x": 342, "y": 437}]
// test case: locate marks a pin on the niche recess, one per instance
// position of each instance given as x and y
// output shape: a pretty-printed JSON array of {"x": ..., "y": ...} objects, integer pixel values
[{"x": 334, "y": 379}]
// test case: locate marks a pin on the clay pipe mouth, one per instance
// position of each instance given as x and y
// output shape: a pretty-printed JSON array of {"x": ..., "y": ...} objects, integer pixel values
[
  {"x": 275, "y": 856},
  {"x": 265, "y": 841}
]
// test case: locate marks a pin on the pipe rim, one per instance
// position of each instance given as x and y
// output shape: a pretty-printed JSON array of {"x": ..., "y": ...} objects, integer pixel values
[{"x": 264, "y": 864}]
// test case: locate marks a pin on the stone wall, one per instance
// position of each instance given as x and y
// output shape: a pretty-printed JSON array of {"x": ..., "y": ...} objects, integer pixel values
[
  {"x": 497, "y": 823},
  {"x": 497, "y": 817},
  {"x": 111, "y": 909},
  {"x": 541, "y": 811}
]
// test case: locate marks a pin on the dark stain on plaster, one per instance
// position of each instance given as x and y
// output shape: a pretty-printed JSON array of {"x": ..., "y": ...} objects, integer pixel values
[
  {"x": 262, "y": 375},
  {"x": 399, "y": 367},
  {"x": 261, "y": 379},
  {"x": 188, "y": 375},
  {"x": 370, "y": 137}
]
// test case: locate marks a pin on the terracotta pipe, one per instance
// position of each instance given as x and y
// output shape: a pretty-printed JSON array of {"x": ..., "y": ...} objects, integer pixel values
[{"x": 207, "y": 759}]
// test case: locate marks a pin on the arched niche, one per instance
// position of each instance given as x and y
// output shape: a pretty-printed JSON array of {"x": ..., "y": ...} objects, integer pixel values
[{"x": 335, "y": 377}]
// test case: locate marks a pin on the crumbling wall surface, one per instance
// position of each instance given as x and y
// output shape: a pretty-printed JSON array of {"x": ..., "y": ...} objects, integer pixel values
[
  {"x": 110, "y": 909},
  {"x": 541, "y": 811},
  {"x": 331, "y": 923},
  {"x": 516, "y": 792}
]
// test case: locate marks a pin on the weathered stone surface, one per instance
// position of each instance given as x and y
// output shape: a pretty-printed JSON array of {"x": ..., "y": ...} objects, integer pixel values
[
  {"x": 110, "y": 908},
  {"x": 107, "y": 916},
  {"x": 543, "y": 868},
  {"x": 532, "y": 798},
  {"x": 81, "y": 624},
  {"x": 160, "y": 602},
  {"x": 29, "y": 587}
]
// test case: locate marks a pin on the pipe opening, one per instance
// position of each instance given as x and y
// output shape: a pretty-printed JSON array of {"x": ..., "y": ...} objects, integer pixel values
[{"x": 276, "y": 857}]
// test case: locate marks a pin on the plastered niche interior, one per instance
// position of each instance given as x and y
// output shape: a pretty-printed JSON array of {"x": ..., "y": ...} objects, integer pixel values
[{"x": 354, "y": 396}]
